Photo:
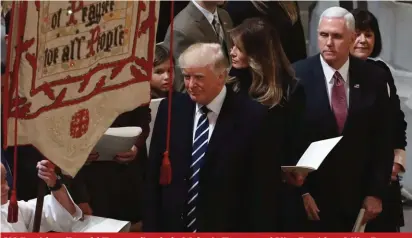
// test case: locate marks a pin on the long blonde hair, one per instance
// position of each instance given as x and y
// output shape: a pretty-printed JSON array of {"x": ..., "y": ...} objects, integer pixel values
[{"x": 268, "y": 63}]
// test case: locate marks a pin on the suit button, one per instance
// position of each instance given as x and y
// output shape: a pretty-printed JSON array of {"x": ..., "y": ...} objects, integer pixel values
[{"x": 181, "y": 216}]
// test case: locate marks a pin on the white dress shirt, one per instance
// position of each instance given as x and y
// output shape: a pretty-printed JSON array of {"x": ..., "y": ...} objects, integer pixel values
[
  {"x": 54, "y": 217},
  {"x": 214, "y": 106},
  {"x": 329, "y": 72},
  {"x": 209, "y": 16}
]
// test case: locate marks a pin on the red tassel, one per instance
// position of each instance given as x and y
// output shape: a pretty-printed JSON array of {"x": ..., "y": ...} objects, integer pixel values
[
  {"x": 13, "y": 209},
  {"x": 13, "y": 212},
  {"x": 165, "y": 170}
]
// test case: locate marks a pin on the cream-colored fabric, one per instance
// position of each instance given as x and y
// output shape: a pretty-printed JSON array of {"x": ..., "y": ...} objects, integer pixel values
[
  {"x": 400, "y": 158},
  {"x": 86, "y": 106}
]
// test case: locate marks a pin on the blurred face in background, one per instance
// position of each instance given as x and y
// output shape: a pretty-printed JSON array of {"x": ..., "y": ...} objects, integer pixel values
[
  {"x": 239, "y": 58},
  {"x": 161, "y": 77},
  {"x": 364, "y": 44}
]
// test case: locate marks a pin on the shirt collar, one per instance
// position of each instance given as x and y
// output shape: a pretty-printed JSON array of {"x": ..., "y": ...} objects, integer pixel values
[
  {"x": 216, "y": 104},
  {"x": 209, "y": 16},
  {"x": 329, "y": 71}
]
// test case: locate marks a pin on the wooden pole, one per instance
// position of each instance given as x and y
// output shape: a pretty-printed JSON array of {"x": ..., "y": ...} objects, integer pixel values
[{"x": 41, "y": 192}]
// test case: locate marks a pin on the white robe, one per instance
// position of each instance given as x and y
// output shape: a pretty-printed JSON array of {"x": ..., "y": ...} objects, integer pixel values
[{"x": 55, "y": 217}]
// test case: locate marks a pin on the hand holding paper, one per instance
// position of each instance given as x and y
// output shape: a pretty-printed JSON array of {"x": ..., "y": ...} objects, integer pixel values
[
  {"x": 294, "y": 178},
  {"x": 93, "y": 157},
  {"x": 313, "y": 156},
  {"x": 126, "y": 157},
  {"x": 117, "y": 144}
]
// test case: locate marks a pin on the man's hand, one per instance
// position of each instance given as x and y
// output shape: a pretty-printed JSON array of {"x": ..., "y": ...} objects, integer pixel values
[
  {"x": 86, "y": 209},
  {"x": 92, "y": 157},
  {"x": 127, "y": 156},
  {"x": 46, "y": 172},
  {"x": 373, "y": 207},
  {"x": 294, "y": 178},
  {"x": 396, "y": 169},
  {"x": 312, "y": 210}
]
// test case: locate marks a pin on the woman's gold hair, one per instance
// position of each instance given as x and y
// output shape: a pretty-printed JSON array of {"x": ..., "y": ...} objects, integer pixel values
[{"x": 269, "y": 66}]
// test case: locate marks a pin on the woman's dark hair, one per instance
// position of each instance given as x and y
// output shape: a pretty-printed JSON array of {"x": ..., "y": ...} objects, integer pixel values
[
  {"x": 161, "y": 55},
  {"x": 366, "y": 21}
]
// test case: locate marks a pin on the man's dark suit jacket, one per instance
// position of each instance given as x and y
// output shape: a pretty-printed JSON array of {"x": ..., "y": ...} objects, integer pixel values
[
  {"x": 234, "y": 181},
  {"x": 190, "y": 27},
  {"x": 360, "y": 165},
  {"x": 164, "y": 16}
]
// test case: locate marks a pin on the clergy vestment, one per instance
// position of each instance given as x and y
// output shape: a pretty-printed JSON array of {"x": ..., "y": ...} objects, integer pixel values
[{"x": 54, "y": 218}]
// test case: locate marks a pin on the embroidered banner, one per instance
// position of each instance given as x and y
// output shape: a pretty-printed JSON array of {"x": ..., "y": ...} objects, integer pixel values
[{"x": 79, "y": 65}]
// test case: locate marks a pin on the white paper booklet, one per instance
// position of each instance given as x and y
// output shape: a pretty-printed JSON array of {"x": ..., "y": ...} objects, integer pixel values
[
  {"x": 100, "y": 224},
  {"x": 313, "y": 156},
  {"x": 115, "y": 141}
]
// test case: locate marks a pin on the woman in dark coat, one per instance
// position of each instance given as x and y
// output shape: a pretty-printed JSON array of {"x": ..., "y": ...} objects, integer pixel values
[
  {"x": 261, "y": 70},
  {"x": 368, "y": 45}
]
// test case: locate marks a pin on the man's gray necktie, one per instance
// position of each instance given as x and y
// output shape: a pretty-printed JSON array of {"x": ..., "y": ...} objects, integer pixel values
[{"x": 218, "y": 29}]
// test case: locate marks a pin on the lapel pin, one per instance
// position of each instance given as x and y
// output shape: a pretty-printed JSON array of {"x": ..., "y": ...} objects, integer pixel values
[{"x": 356, "y": 86}]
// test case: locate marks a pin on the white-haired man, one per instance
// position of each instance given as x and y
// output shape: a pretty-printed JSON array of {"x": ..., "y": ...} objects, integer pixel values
[
  {"x": 344, "y": 97},
  {"x": 59, "y": 211},
  {"x": 216, "y": 185}
]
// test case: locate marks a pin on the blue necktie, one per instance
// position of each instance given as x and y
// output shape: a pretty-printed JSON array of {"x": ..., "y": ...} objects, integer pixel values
[{"x": 199, "y": 150}]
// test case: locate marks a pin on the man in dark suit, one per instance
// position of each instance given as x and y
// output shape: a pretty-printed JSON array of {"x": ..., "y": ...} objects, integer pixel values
[
  {"x": 198, "y": 22},
  {"x": 344, "y": 97},
  {"x": 164, "y": 16},
  {"x": 216, "y": 185}
]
